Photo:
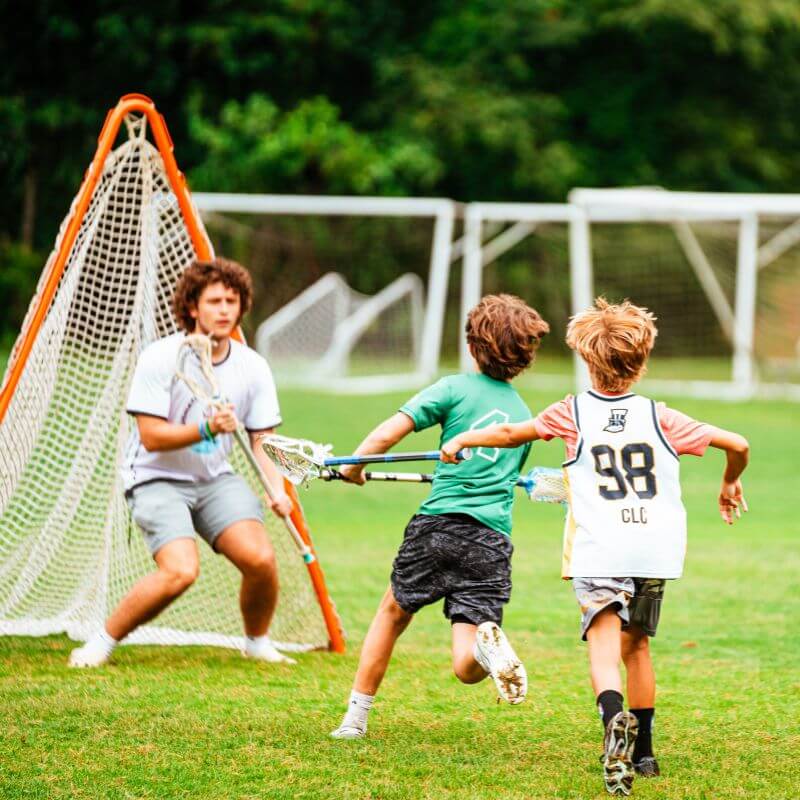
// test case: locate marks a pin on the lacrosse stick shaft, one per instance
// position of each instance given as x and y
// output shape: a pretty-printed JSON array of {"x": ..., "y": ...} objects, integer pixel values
[
  {"x": 400, "y": 477},
  {"x": 302, "y": 547},
  {"x": 389, "y": 458}
]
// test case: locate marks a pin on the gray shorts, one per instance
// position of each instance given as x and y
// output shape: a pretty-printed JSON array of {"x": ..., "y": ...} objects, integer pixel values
[
  {"x": 637, "y": 600},
  {"x": 168, "y": 510}
]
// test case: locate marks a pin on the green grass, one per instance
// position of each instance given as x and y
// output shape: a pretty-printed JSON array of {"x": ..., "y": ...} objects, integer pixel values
[{"x": 204, "y": 723}]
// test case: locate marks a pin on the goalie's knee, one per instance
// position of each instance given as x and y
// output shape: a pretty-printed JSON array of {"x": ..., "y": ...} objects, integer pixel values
[{"x": 180, "y": 577}]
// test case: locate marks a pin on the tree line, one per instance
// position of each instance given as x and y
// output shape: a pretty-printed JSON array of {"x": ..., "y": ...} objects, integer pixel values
[{"x": 475, "y": 100}]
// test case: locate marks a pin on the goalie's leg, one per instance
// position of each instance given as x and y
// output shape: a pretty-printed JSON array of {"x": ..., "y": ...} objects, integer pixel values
[{"x": 178, "y": 566}]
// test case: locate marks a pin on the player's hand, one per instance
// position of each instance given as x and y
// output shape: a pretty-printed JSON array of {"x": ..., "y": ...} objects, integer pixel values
[
  {"x": 449, "y": 451},
  {"x": 353, "y": 473},
  {"x": 224, "y": 420},
  {"x": 282, "y": 505},
  {"x": 731, "y": 501}
]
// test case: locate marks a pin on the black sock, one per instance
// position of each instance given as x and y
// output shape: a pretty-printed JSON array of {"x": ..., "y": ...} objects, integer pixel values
[
  {"x": 644, "y": 740},
  {"x": 609, "y": 704}
]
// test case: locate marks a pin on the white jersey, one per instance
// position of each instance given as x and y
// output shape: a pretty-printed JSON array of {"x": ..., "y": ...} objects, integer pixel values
[
  {"x": 245, "y": 380},
  {"x": 626, "y": 517}
]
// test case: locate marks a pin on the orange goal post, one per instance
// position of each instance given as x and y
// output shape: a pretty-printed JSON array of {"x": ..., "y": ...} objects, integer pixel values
[{"x": 68, "y": 551}]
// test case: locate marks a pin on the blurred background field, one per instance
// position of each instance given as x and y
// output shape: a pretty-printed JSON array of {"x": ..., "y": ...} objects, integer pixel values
[{"x": 202, "y": 722}]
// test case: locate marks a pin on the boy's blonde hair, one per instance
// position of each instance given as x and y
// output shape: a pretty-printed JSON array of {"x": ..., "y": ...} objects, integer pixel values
[{"x": 615, "y": 341}]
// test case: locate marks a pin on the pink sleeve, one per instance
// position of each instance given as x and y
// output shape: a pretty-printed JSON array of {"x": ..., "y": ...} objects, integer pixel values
[
  {"x": 686, "y": 435},
  {"x": 556, "y": 422}
]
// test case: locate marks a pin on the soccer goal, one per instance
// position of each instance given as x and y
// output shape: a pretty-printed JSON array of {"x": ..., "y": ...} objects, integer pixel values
[
  {"x": 721, "y": 273},
  {"x": 317, "y": 335},
  {"x": 352, "y": 289},
  {"x": 68, "y": 551}
]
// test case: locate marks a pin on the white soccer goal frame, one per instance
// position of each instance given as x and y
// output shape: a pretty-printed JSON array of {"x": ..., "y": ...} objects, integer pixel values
[
  {"x": 587, "y": 206},
  {"x": 443, "y": 213},
  {"x": 331, "y": 367}
]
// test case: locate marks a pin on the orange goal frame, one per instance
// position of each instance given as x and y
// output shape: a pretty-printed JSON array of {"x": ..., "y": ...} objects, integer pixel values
[{"x": 139, "y": 103}]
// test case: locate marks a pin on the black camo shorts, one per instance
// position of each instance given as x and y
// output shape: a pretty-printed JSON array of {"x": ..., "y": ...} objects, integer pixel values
[{"x": 456, "y": 558}]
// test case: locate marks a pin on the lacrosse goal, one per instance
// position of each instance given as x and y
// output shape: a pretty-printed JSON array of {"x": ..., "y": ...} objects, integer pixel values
[{"x": 67, "y": 549}]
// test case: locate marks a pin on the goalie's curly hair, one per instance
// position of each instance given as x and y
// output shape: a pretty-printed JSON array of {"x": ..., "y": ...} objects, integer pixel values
[
  {"x": 504, "y": 333},
  {"x": 200, "y": 274},
  {"x": 615, "y": 341}
]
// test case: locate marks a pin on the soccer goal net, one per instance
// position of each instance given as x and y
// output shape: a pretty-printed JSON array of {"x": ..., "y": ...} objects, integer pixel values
[
  {"x": 68, "y": 547},
  {"x": 330, "y": 330},
  {"x": 350, "y": 291},
  {"x": 721, "y": 273}
]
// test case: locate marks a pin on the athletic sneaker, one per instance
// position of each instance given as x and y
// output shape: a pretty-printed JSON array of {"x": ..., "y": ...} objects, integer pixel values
[
  {"x": 494, "y": 653},
  {"x": 263, "y": 650},
  {"x": 88, "y": 656},
  {"x": 618, "y": 745},
  {"x": 349, "y": 730},
  {"x": 647, "y": 767}
]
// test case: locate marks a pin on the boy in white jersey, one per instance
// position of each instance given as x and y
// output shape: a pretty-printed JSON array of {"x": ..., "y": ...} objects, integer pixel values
[
  {"x": 176, "y": 473},
  {"x": 457, "y": 548},
  {"x": 625, "y": 532}
]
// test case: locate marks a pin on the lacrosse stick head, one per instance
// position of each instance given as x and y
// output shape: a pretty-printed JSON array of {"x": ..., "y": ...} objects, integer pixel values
[
  {"x": 298, "y": 460},
  {"x": 546, "y": 485},
  {"x": 195, "y": 368}
]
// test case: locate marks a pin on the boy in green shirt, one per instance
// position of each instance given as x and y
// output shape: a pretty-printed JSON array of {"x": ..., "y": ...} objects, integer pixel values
[{"x": 458, "y": 546}]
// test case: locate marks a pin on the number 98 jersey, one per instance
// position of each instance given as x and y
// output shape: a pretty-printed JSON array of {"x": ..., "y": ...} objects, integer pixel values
[{"x": 626, "y": 517}]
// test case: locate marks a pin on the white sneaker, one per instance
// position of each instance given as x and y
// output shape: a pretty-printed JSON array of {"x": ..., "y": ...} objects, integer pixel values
[
  {"x": 264, "y": 650},
  {"x": 497, "y": 657},
  {"x": 349, "y": 730},
  {"x": 88, "y": 656}
]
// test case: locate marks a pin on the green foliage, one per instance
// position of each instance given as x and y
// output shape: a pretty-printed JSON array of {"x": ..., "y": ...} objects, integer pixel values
[
  {"x": 519, "y": 100},
  {"x": 196, "y": 722},
  {"x": 20, "y": 268},
  {"x": 308, "y": 149}
]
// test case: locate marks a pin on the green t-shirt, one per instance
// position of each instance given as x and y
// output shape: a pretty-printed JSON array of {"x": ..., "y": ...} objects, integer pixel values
[{"x": 482, "y": 487}]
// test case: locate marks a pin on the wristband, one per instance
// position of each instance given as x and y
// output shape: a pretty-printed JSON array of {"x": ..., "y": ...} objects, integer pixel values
[
  {"x": 209, "y": 434},
  {"x": 201, "y": 428}
]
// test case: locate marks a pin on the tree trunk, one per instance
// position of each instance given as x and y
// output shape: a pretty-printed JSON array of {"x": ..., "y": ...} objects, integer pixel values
[{"x": 29, "y": 186}]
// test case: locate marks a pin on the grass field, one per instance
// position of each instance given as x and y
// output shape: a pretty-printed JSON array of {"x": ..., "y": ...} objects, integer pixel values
[{"x": 204, "y": 723}]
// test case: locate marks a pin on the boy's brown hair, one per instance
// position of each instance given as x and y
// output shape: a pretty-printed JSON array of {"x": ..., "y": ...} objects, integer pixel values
[
  {"x": 504, "y": 332},
  {"x": 200, "y": 274},
  {"x": 615, "y": 341}
]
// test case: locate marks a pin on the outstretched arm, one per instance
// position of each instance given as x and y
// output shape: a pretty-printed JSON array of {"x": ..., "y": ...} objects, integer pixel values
[
  {"x": 731, "y": 499},
  {"x": 508, "y": 434},
  {"x": 384, "y": 437},
  {"x": 282, "y": 505}
]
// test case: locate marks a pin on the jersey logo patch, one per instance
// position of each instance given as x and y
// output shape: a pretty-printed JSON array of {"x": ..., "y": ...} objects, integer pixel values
[
  {"x": 616, "y": 422},
  {"x": 494, "y": 417}
]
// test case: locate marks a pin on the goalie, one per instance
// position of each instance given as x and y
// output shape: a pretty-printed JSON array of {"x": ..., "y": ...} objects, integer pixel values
[{"x": 176, "y": 473}]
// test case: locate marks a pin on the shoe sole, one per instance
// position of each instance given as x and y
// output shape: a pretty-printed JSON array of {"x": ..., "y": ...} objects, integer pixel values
[
  {"x": 348, "y": 733},
  {"x": 506, "y": 669},
  {"x": 618, "y": 772}
]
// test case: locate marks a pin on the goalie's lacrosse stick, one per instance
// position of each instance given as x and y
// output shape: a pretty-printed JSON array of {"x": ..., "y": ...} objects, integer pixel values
[
  {"x": 198, "y": 347},
  {"x": 541, "y": 484},
  {"x": 301, "y": 460}
]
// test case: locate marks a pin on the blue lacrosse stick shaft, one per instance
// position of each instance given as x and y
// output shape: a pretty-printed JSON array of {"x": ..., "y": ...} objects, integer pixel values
[{"x": 392, "y": 458}]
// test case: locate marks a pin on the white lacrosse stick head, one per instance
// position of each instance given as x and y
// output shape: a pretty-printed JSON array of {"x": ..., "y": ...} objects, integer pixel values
[
  {"x": 546, "y": 485},
  {"x": 299, "y": 460},
  {"x": 195, "y": 368}
]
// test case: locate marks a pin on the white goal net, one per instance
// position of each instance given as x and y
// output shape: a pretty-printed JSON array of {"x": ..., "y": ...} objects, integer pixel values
[
  {"x": 68, "y": 547},
  {"x": 330, "y": 331}
]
